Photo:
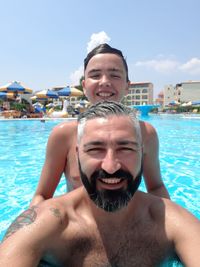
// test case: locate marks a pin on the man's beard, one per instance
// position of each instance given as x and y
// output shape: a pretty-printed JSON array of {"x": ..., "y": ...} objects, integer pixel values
[{"x": 111, "y": 200}]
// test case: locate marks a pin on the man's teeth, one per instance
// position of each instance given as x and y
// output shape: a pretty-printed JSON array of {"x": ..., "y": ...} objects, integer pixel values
[{"x": 111, "y": 181}]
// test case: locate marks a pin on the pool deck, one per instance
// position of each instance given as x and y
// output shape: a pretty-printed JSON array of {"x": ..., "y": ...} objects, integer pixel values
[
  {"x": 43, "y": 119},
  {"x": 38, "y": 119}
]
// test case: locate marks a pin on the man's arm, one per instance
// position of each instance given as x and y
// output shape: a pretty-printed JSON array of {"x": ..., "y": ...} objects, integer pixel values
[
  {"x": 184, "y": 229},
  {"x": 29, "y": 236},
  {"x": 56, "y": 157},
  {"x": 17, "y": 248},
  {"x": 151, "y": 164}
]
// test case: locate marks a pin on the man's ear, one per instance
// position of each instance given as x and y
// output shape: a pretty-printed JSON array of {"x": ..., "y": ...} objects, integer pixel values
[{"x": 77, "y": 150}]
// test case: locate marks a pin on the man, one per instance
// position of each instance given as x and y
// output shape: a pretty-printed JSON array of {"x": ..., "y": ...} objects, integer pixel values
[
  {"x": 107, "y": 221},
  {"x": 106, "y": 78}
]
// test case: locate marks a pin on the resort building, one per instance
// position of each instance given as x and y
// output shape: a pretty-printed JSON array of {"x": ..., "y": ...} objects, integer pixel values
[
  {"x": 182, "y": 93},
  {"x": 140, "y": 93},
  {"x": 169, "y": 95},
  {"x": 188, "y": 91}
]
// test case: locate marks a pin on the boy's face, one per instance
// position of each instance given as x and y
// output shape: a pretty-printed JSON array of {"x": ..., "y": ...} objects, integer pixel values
[{"x": 105, "y": 78}]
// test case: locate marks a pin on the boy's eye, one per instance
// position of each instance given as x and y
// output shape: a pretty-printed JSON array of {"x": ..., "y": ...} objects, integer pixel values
[
  {"x": 115, "y": 76},
  {"x": 94, "y": 75}
]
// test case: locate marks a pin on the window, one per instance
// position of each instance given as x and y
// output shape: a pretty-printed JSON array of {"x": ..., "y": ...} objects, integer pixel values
[{"x": 144, "y": 91}]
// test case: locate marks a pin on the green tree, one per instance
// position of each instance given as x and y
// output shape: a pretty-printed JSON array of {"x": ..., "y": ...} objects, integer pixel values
[{"x": 80, "y": 87}]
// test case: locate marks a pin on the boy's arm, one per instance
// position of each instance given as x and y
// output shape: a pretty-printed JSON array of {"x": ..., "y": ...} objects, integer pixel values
[
  {"x": 151, "y": 164},
  {"x": 54, "y": 166}
]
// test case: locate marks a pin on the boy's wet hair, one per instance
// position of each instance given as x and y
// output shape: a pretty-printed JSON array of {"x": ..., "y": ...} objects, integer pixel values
[{"x": 106, "y": 49}]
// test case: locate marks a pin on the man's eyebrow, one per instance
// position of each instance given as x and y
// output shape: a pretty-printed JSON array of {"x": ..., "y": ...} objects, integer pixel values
[
  {"x": 120, "y": 142},
  {"x": 127, "y": 142},
  {"x": 94, "y": 143}
]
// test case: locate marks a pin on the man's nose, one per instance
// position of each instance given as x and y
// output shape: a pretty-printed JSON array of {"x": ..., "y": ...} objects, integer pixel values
[{"x": 110, "y": 163}]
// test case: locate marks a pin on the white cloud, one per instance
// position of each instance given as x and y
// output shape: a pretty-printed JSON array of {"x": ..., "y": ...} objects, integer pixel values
[
  {"x": 169, "y": 66},
  {"x": 159, "y": 65},
  {"x": 76, "y": 75},
  {"x": 97, "y": 39},
  {"x": 192, "y": 66}
]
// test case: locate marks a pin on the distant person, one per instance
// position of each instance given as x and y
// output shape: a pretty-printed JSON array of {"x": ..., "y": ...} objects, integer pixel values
[
  {"x": 106, "y": 221},
  {"x": 105, "y": 78}
]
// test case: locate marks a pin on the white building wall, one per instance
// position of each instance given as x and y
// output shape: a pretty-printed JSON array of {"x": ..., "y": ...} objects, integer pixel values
[
  {"x": 189, "y": 91},
  {"x": 169, "y": 94},
  {"x": 182, "y": 92}
]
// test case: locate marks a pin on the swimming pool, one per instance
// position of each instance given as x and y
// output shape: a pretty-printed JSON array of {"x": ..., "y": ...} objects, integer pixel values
[{"x": 22, "y": 153}]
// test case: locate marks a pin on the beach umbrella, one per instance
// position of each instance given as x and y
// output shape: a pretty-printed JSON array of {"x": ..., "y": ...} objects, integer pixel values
[
  {"x": 15, "y": 87},
  {"x": 34, "y": 97},
  {"x": 45, "y": 94},
  {"x": 4, "y": 95},
  {"x": 69, "y": 91}
]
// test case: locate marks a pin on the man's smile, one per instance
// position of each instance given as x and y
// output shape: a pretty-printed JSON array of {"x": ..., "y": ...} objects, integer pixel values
[{"x": 111, "y": 183}]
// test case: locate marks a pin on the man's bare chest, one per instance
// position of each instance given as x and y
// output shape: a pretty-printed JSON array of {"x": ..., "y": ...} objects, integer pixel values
[{"x": 119, "y": 250}]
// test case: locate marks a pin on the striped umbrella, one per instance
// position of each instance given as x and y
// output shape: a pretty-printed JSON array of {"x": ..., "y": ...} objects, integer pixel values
[
  {"x": 69, "y": 91},
  {"x": 4, "y": 95},
  {"x": 16, "y": 87},
  {"x": 45, "y": 94}
]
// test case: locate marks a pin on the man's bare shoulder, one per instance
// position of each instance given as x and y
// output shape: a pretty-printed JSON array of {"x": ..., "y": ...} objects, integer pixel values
[
  {"x": 158, "y": 205},
  {"x": 64, "y": 204},
  {"x": 177, "y": 214},
  {"x": 175, "y": 217}
]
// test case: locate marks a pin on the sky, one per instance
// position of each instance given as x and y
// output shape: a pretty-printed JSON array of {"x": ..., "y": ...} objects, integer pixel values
[{"x": 43, "y": 42}]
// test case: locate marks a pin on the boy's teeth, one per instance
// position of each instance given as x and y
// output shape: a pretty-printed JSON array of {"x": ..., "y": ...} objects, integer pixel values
[{"x": 105, "y": 94}]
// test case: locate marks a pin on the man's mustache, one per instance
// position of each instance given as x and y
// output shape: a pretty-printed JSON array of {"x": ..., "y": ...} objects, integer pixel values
[{"x": 102, "y": 174}]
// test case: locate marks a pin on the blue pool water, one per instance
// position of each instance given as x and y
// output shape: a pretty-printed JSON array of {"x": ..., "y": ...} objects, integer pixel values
[{"x": 22, "y": 154}]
